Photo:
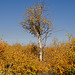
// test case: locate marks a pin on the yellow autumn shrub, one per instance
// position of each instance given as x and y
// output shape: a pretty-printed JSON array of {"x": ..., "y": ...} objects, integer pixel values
[{"x": 24, "y": 60}]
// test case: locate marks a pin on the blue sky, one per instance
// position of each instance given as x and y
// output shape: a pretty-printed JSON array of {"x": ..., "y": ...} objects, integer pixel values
[{"x": 11, "y": 11}]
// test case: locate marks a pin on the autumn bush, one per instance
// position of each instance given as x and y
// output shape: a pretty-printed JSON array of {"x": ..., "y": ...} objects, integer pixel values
[{"x": 24, "y": 60}]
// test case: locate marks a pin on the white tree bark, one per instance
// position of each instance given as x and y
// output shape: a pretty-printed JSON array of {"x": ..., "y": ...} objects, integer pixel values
[{"x": 40, "y": 47}]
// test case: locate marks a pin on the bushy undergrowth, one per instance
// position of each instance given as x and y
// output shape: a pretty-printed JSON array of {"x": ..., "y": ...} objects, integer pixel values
[{"x": 24, "y": 60}]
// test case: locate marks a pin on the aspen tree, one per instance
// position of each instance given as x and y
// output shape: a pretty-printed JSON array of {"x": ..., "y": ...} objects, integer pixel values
[{"x": 37, "y": 24}]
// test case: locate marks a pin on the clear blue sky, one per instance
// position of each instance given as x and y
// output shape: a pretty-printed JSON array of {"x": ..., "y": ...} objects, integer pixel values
[{"x": 11, "y": 11}]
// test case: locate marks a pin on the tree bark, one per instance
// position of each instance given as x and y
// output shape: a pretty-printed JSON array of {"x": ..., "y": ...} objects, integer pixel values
[
  {"x": 44, "y": 54},
  {"x": 40, "y": 47},
  {"x": 44, "y": 48}
]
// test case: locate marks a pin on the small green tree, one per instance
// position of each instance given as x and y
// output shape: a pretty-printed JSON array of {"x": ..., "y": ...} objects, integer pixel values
[{"x": 38, "y": 24}]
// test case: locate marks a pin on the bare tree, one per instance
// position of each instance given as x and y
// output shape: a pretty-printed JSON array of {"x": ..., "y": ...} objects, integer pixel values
[{"x": 37, "y": 23}]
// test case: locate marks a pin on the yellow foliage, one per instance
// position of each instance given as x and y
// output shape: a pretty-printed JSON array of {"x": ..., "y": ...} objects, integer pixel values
[
  {"x": 44, "y": 20},
  {"x": 18, "y": 59}
]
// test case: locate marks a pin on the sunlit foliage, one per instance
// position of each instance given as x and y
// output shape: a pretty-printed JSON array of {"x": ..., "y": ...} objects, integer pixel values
[{"x": 24, "y": 60}]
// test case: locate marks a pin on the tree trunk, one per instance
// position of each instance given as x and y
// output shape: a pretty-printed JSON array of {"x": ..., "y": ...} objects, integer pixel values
[
  {"x": 44, "y": 54},
  {"x": 44, "y": 49},
  {"x": 40, "y": 47}
]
